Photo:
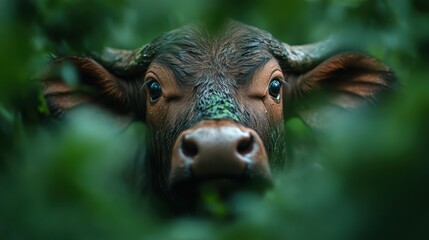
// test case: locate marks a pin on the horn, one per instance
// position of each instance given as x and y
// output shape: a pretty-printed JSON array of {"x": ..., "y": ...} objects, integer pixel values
[
  {"x": 305, "y": 57},
  {"x": 123, "y": 62}
]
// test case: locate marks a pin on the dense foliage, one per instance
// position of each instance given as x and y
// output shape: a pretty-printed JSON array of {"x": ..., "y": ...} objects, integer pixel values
[{"x": 367, "y": 178}]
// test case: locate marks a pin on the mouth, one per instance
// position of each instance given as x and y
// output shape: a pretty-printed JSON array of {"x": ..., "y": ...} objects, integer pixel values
[{"x": 197, "y": 196}]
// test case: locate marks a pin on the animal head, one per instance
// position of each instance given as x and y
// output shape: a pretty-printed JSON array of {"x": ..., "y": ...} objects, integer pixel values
[{"x": 216, "y": 102}]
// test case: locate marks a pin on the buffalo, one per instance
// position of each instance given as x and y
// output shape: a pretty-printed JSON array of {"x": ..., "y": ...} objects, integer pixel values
[{"x": 215, "y": 103}]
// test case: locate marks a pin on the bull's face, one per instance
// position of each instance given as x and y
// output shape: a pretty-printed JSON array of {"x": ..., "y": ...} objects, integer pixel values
[{"x": 216, "y": 103}]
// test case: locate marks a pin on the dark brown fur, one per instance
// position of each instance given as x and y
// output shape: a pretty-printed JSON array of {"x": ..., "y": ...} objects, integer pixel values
[{"x": 223, "y": 63}]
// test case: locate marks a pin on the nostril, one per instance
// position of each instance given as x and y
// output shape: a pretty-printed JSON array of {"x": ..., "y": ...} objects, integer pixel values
[
  {"x": 245, "y": 145},
  {"x": 189, "y": 148}
]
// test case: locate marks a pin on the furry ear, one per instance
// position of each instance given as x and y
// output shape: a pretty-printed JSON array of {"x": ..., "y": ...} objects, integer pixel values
[
  {"x": 96, "y": 86},
  {"x": 341, "y": 83}
]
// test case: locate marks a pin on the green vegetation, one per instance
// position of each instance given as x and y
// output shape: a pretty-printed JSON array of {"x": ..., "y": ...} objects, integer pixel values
[{"x": 368, "y": 178}]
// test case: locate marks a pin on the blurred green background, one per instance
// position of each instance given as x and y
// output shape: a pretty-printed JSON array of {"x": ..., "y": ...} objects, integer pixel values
[{"x": 366, "y": 179}]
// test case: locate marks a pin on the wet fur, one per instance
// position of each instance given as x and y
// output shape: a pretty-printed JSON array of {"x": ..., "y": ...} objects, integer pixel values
[{"x": 223, "y": 61}]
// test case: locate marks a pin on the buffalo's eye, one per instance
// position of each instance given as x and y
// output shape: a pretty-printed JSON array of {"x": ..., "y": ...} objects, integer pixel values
[
  {"x": 274, "y": 88},
  {"x": 155, "y": 90}
]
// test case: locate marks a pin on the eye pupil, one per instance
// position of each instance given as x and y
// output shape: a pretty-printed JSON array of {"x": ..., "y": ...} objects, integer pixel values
[
  {"x": 154, "y": 90},
  {"x": 274, "y": 88}
]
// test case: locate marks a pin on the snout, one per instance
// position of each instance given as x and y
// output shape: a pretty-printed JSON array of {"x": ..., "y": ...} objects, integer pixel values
[{"x": 222, "y": 153}]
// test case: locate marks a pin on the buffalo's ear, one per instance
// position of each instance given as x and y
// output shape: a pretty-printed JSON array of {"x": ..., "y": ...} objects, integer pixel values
[
  {"x": 95, "y": 85},
  {"x": 341, "y": 83}
]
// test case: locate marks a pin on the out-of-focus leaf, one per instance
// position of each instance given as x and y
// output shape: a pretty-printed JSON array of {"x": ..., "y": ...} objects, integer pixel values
[{"x": 364, "y": 179}]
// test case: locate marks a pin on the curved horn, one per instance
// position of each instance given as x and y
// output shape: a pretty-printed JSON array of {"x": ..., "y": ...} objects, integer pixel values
[
  {"x": 123, "y": 62},
  {"x": 304, "y": 57}
]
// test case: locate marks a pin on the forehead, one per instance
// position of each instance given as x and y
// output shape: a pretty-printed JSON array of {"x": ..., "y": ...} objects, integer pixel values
[{"x": 235, "y": 51}]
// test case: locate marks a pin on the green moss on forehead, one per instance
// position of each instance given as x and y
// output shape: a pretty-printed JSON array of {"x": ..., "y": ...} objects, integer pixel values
[{"x": 216, "y": 105}]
